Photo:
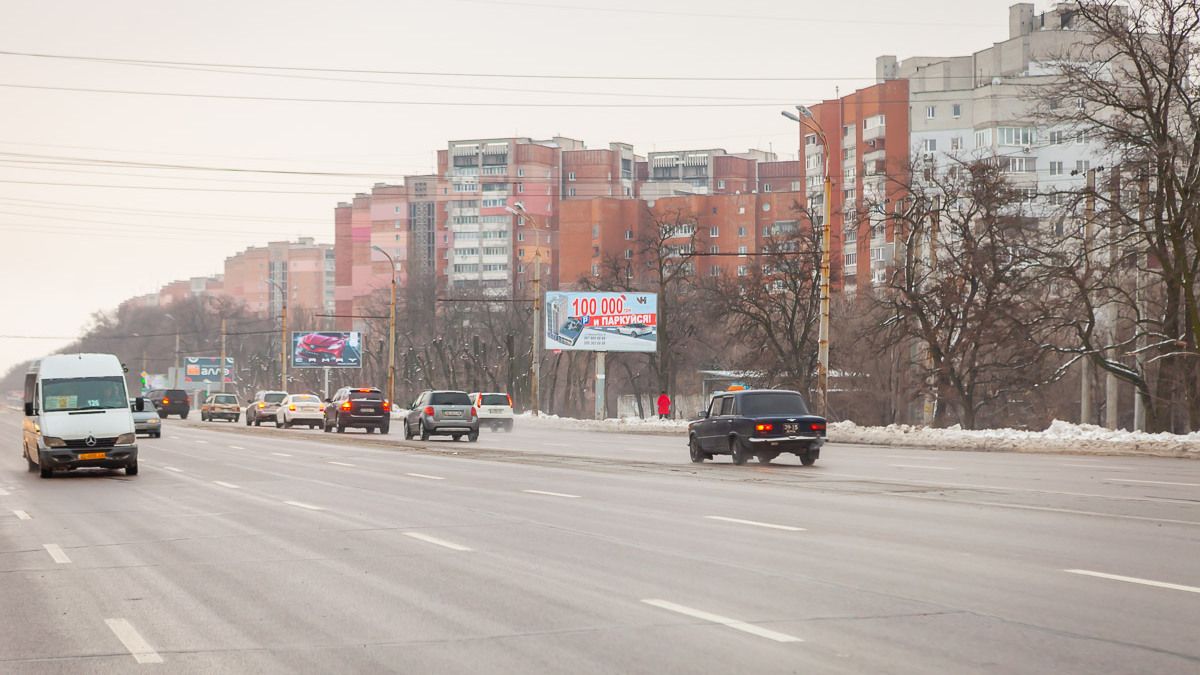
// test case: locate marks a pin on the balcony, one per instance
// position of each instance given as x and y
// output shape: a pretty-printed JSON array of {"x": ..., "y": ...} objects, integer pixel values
[{"x": 874, "y": 133}]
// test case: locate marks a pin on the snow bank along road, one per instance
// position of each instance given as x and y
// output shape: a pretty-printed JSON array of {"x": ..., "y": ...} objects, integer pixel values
[{"x": 261, "y": 550}]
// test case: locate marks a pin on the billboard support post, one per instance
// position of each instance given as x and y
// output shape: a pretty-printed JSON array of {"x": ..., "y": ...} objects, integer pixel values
[
  {"x": 326, "y": 389},
  {"x": 222, "y": 356},
  {"x": 600, "y": 378}
]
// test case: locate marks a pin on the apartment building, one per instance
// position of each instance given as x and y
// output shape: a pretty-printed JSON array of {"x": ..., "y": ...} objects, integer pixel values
[
  {"x": 303, "y": 269},
  {"x": 185, "y": 288},
  {"x": 607, "y": 172},
  {"x": 712, "y": 171}
]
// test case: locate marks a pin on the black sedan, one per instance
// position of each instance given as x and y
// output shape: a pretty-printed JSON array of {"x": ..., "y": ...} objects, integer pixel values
[{"x": 762, "y": 423}]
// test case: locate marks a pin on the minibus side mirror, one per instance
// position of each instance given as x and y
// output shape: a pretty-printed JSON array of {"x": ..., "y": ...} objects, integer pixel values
[{"x": 29, "y": 409}]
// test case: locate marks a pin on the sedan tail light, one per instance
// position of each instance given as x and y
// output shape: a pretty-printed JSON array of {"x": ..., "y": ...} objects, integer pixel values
[
  {"x": 473, "y": 413},
  {"x": 428, "y": 411},
  {"x": 764, "y": 428},
  {"x": 166, "y": 401},
  {"x": 817, "y": 426},
  {"x": 509, "y": 399},
  {"x": 346, "y": 405}
]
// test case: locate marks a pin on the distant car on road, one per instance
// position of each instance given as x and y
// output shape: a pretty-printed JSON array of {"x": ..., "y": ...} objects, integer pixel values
[
  {"x": 443, "y": 413},
  {"x": 170, "y": 402},
  {"x": 758, "y": 423},
  {"x": 145, "y": 421},
  {"x": 300, "y": 409},
  {"x": 263, "y": 406},
  {"x": 221, "y": 407},
  {"x": 494, "y": 409},
  {"x": 362, "y": 407}
]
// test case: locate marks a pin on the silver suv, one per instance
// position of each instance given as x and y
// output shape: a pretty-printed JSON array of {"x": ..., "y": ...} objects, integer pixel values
[{"x": 442, "y": 413}]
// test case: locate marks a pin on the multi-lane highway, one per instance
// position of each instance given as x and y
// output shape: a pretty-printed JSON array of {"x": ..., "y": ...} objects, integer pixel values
[{"x": 243, "y": 550}]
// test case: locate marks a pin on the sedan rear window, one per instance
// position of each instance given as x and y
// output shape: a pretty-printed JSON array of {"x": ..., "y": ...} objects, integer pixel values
[
  {"x": 774, "y": 403},
  {"x": 494, "y": 399},
  {"x": 274, "y": 398},
  {"x": 451, "y": 398},
  {"x": 305, "y": 398},
  {"x": 224, "y": 398}
]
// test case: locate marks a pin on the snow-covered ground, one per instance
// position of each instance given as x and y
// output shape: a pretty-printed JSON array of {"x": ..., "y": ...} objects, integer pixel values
[{"x": 1059, "y": 437}]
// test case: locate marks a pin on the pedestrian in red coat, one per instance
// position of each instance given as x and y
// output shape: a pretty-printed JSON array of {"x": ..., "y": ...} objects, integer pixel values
[{"x": 664, "y": 406}]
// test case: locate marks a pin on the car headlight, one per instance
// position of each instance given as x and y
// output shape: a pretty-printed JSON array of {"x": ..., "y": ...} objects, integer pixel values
[
  {"x": 152, "y": 420},
  {"x": 126, "y": 439},
  {"x": 52, "y": 442}
]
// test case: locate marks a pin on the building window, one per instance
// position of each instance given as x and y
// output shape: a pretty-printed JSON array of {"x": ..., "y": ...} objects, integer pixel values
[
  {"x": 397, "y": 209},
  {"x": 741, "y": 231},
  {"x": 520, "y": 236},
  {"x": 956, "y": 143},
  {"x": 1016, "y": 136},
  {"x": 811, "y": 139},
  {"x": 520, "y": 172},
  {"x": 956, "y": 110},
  {"x": 1057, "y": 138},
  {"x": 714, "y": 249},
  {"x": 720, "y": 185},
  {"x": 595, "y": 270},
  {"x": 714, "y": 271},
  {"x": 983, "y": 138},
  {"x": 1056, "y": 168},
  {"x": 520, "y": 187},
  {"x": 1082, "y": 166},
  {"x": 1079, "y": 103},
  {"x": 571, "y": 192},
  {"x": 848, "y": 153},
  {"x": 628, "y": 235},
  {"x": 931, "y": 112},
  {"x": 877, "y": 254},
  {"x": 929, "y": 144},
  {"x": 851, "y": 259},
  {"x": 742, "y": 250},
  {"x": 812, "y": 162},
  {"x": 742, "y": 270},
  {"x": 766, "y": 187},
  {"x": 714, "y": 231},
  {"x": 595, "y": 231},
  {"x": 1020, "y": 165},
  {"x": 629, "y": 254},
  {"x": 741, "y": 210},
  {"x": 570, "y": 175},
  {"x": 795, "y": 186},
  {"x": 1080, "y": 137}
]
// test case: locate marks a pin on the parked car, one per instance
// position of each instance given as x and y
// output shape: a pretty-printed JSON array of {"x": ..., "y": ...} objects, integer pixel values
[
  {"x": 221, "y": 407},
  {"x": 263, "y": 407},
  {"x": 362, "y": 407},
  {"x": 442, "y": 413},
  {"x": 145, "y": 421},
  {"x": 758, "y": 422},
  {"x": 170, "y": 402},
  {"x": 300, "y": 409},
  {"x": 494, "y": 409}
]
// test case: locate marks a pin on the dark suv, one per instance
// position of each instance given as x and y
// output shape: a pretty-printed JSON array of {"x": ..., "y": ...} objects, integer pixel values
[
  {"x": 170, "y": 402},
  {"x": 758, "y": 423},
  {"x": 362, "y": 407}
]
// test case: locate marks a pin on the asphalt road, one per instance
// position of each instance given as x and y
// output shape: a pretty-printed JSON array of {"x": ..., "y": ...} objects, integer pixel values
[{"x": 548, "y": 551}]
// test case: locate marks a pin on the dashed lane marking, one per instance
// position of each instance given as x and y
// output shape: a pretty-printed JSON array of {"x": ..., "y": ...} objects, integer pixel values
[
  {"x": 437, "y": 542},
  {"x": 424, "y": 475},
  {"x": 1135, "y": 580},
  {"x": 56, "y": 553},
  {"x": 141, "y": 650},
  {"x": 1149, "y": 482},
  {"x": 302, "y": 505},
  {"x": 21, "y": 515},
  {"x": 551, "y": 494},
  {"x": 724, "y": 621},
  {"x": 342, "y": 463},
  {"x": 223, "y": 484},
  {"x": 755, "y": 523}
]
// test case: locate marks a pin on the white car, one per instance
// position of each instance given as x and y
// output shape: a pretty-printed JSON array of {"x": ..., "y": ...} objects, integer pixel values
[
  {"x": 495, "y": 410},
  {"x": 300, "y": 409}
]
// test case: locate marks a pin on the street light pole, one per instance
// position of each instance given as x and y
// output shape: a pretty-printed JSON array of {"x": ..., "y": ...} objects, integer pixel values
[
  {"x": 283, "y": 341},
  {"x": 806, "y": 119},
  {"x": 535, "y": 370},
  {"x": 391, "y": 379}
]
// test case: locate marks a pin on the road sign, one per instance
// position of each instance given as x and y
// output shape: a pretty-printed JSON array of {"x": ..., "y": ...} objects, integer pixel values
[{"x": 602, "y": 322}]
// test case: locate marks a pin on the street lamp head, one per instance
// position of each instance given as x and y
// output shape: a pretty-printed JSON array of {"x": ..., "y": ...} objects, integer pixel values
[
  {"x": 790, "y": 115},
  {"x": 804, "y": 111},
  {"x": 517, "y": 209}
]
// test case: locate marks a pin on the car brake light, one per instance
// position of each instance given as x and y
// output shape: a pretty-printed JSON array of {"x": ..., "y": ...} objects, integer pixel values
[
  {"x": 166, "y": 401},
  {"x": 322, "y": 407},
  {"x": 473, "y": 414},
  {"x": 262, "y": 405},
  {"x": 764, "y": 427},
  {"x": 428, "y": 411},
  {"x": 346, "y": 405},
  {"x": 817, "y": 426},
  {"x": 292, "y": 406},
  {"x": 365, "y": 391},
  {"x": 509, "y": 399},
  {"x": 387, "y": 405},
  {"x": 479, "y": 401}
]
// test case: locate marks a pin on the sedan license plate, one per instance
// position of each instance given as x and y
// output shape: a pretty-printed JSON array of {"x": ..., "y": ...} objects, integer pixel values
[
  {"x": 366, "y": 410},
  {"x": 452, "y": 413},
  {"x": 791, "y": 428},
  {"x": 496, "y": 411},
  {"x": 93, "y": 455}
]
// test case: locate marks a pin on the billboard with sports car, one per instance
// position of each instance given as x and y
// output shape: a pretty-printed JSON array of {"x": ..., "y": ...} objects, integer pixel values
[
  {"x": 327, "y": 349},
  {"x": 602, "y": 322}
]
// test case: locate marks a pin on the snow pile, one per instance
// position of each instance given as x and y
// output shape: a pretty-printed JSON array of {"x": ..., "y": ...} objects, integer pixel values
[{"x": 1059, "y": 437}]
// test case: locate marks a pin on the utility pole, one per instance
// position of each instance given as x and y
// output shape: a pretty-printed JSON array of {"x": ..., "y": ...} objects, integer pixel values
[
  {"x": 391, "y": 377},
  {"x": 176, "y": 379},
  {"x": 1085, "y": 367},
  {"x": 1111, "y": 392},
  {"x": 929, "y": 415},
  {"x": 601, "y": 397},
  {"x": 222, "y": 368},
  {"x": 283, "y": 337},
  {"x": 1139, "y": 406},
  {"x": 536, "y": 369}
]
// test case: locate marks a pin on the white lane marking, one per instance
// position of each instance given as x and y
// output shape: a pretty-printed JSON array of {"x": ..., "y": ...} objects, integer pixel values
[
  {"x": 1135, "y": 580},
  {"x": 202, "y": 442},
  {"x": 302, "y": 505},
  {"x": 134, "y": 642},
  {"x": 21, "y": 515},
  {"x": 1049, "y": 509},
  {"x": 236, "y": 447},
  {"x": 923, "y": 459},
  {"x": 341, "y": 463},
  {"x": 1149, "y": 482},
  {"x": 923, "y": 466},
  {"x": 789, "y": 528},
  {"x": 56, "y": 552},
  {"x": 281, "y": 454},
  {"x": 223, "y": 484},
  {"x": 551, "y": 494},
  {"x": 439, "y": 542},
  {"x": 724, "y": 621},
  {"x": 171, "y": 468},
  {"x": 423, "y": 475},
  {"x": 1095, "y": 466}
]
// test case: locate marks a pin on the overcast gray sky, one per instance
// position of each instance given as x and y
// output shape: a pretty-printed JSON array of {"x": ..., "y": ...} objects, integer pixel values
[{"x": 70, "y": 250}]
